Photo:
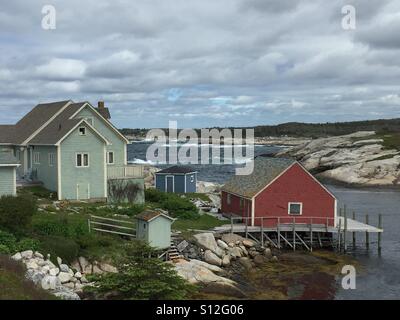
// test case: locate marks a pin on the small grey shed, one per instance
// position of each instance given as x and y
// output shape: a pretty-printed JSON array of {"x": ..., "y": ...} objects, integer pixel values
[
  {"x": 154, "y": 227},
  {"x": 8, "y": 178}
]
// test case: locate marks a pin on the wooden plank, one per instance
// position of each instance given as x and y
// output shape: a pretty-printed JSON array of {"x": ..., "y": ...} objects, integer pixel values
[
  {"x": 287, "y": 241},
  {"x": 115, "y": 232},
  {"x": 111, "y": 225},
  {"x": 270, "y": 240},
  {"x": 301, "y": 240},
  {"x": 366, "y": 232},
  {"x": 379, "y": 234},
  {"x": 354, "y": 234},
  {"x": 115, "y": 220}
]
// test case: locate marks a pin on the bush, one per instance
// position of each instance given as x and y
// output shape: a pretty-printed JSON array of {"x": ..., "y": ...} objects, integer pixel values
[
  {"x": 141, "y": 277},
  {"x": 177, "y": 206},
  {"x": 16, "y": 212},
  {"x": 9, "y": 241},
  {"x": 61, "y": 225},
  {"x": 4, "y": 249},
  {"x": 65, "y": 248},
  {"x": 28, "y": 244},
  {"x": 131, "y": 211}
]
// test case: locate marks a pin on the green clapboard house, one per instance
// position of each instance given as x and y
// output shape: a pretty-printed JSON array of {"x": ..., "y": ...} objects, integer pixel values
[{"x": 73, "y": 149}]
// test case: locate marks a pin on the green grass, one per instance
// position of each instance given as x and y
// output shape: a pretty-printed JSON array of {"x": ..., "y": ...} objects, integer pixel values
[
  {"x": 14, "y": 286},
  {"x": 203, "y": 222},
  {"x": 391, "y": 140}
]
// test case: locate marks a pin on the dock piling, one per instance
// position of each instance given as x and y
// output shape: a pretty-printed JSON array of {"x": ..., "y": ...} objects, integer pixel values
[
  {"x": 344, "y": 229},
  {"x": 366, "y": 232},
  {"x": 379, "y": 234},
  {"x": 354, "y": 234},
  {"x": 294, "y": 234}
]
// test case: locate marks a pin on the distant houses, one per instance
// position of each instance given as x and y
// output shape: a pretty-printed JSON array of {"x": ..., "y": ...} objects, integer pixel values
[
  {"x": 278, "y": 189},
  {"x": 72, "y": 149},
  {"x": 178, "y": 179},
  {"x": 8, "y": 168}
]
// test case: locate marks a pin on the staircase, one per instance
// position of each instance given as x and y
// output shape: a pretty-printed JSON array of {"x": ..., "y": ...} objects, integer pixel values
[{"x": 173, "y": 253}]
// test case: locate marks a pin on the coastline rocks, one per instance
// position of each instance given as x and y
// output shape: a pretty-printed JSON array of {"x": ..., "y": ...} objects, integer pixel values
[
  {"x": 207, "y": 241},
  {"x": 248, "y": 243},
  {"x": 357, "y": 158},
  {"x": 212, "y": 258},
  {"x": 197, "y": 273},
  {"x": 222, "y": 244}
]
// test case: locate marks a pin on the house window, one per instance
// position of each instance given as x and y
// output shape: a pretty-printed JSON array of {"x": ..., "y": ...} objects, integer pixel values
[
  {"x": 228, "y": 198},
  {"x": 192, "y": 178},
  {"x": 52, "y": 159},
  {"x": 82, "y": 131},
  {"x": 82, "y": 160},
  {"x": 110, "y": 157},
  {"x": 36, "y": 157},
  {"x": 295, "y": 208}
]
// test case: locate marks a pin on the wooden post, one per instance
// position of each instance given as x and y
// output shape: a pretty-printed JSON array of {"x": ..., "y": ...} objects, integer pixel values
[
  {"x": 88, "y": 221},
  {"x": 366, "y": 232},
  {"x": 339, "y": 232},
  {"x": 247, "y": 222},
  {"x": 231, "y": 224},
  {"x": 294, "y": 234},
  {"x": 379, "y": 234},
  {"x": 354, "y": 234},
  {"x": 279, "y": 232},
  {"x": 311, "y": 235},
  {"x": 345, "y": 229},
  {"x": 262, "y": 232}
]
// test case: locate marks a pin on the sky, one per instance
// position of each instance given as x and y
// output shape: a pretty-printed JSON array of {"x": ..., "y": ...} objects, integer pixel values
[{"x": 203, "y": 62}]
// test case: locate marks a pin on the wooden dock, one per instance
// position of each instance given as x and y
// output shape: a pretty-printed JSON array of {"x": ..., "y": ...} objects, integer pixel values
[{"x": 304, "y": 233}]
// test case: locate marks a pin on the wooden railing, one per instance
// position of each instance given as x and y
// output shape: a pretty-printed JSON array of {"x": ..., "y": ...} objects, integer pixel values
[
  {"x": 114, "y": 226},
  {"x": 131, "y": 171}
]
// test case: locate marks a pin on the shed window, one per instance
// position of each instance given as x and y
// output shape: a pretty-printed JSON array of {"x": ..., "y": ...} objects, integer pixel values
[
  {"x": 82, "y": 160},
  {"x": 52, "y": 159},
  {"x": 295, "y": 208},
  {"x": 228, "y": 198},
  {"x": 192, "y": 178},
  {"x": 36, "y": 157},
  {"x": 82, "y": 131}
]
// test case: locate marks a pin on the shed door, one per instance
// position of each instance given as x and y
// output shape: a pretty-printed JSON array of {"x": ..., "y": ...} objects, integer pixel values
[{"x": 169, "y": 183}]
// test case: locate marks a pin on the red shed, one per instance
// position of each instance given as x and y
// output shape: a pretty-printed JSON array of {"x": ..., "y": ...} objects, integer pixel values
[{"x": 280, "y": 190}]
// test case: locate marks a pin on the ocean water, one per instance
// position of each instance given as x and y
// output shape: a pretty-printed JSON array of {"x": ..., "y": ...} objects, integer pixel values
[{"x": 380, "y": 278}]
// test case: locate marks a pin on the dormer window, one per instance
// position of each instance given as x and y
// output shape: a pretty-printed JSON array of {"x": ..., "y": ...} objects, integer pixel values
[{"x": 82, "y": 131}]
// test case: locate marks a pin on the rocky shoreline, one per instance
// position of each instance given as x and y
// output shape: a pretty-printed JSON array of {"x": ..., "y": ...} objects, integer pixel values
[{"x": 354, "y": 160}]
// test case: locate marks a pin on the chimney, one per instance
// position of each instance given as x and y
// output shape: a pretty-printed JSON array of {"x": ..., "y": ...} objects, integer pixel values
[{"x": 103, "y": 110}]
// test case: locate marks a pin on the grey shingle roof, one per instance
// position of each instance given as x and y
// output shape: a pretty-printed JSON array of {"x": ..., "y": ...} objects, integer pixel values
[
  {"x": 35, "y": 119},
  {"x": 265, "y": 170},
  {"x": 6, "y": 157},
  {"x": 6, "y": 133},
  {"x": 177, "y": 169},
  {"x": 59, "y": 127}
]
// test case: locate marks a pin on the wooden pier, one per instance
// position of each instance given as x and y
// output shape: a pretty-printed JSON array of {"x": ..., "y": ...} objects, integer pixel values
[{"x": 301, "y": 232}]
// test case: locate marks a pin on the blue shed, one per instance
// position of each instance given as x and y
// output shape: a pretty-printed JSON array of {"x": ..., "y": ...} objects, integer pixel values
[{"x": 178, "y": 179}]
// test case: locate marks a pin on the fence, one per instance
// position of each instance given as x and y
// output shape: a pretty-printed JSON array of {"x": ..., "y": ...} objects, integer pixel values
[{"x": 114, "y": 226}]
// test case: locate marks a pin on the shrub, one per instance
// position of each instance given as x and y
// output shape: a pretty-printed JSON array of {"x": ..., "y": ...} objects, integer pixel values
[
  {"x": 177, "y": 206},
  {"x": 141, "y": 277},
  {"x": 4, "y": 249},
  {"x": 9, "y": 241},
  {"x": 131, "y": 211},
  {"x": 27, "y": 244},
  {"x": 61, "y": 225},
  {"x": 16, "y": 212},
  {"x": 62, "y": 247}
]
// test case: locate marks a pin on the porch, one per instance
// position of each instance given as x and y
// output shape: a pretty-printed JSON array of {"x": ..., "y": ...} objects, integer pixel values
[{"x": 129, "y": 171}]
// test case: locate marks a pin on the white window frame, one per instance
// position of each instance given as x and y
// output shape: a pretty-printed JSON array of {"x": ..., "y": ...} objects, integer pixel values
[
  {"x": 295, "y": 214},
  {"x": 79, "y": 131},
  {"x": 52, "y": 159},
  {"x": 36, "y": 158},
  {"x": 228, "y": 199},
  {"x": 192, "y": 178},
  {"x": 82, "y": 154},
  {"x": 108, "y": 157},
  {"x": 89, "y": 120}
]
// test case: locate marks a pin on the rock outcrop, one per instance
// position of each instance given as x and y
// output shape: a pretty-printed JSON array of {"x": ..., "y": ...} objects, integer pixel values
[{"x": 357, "y": 158}]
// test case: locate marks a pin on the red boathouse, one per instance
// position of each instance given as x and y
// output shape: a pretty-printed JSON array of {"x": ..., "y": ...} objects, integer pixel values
[{"x": 278, "y": 191}]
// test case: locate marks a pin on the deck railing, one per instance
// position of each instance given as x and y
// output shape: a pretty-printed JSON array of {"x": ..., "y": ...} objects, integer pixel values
[{"x": 130, "y": 171}]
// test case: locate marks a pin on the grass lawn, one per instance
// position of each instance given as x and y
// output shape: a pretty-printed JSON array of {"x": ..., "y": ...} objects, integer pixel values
[{"x": 203, "y": 222}]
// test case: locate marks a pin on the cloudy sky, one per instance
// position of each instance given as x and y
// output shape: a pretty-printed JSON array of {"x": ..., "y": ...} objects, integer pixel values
[{"x": 204, "y": 62}]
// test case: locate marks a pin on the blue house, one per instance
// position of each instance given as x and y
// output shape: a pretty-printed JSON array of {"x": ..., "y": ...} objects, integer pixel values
[{"x": 178, "y": 179}]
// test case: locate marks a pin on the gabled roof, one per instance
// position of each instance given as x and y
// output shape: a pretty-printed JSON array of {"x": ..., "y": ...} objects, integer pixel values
[
  {"x": 35, "y": 119},
  {"x": 6, "y": 133},
  {"x": 149, "y": 215},
  {"x": 7, "y": 159},
  {"x": 59, "y": 127},
  {"x": 178, "y": 170},
  {"x": 265, "y": 171}
]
